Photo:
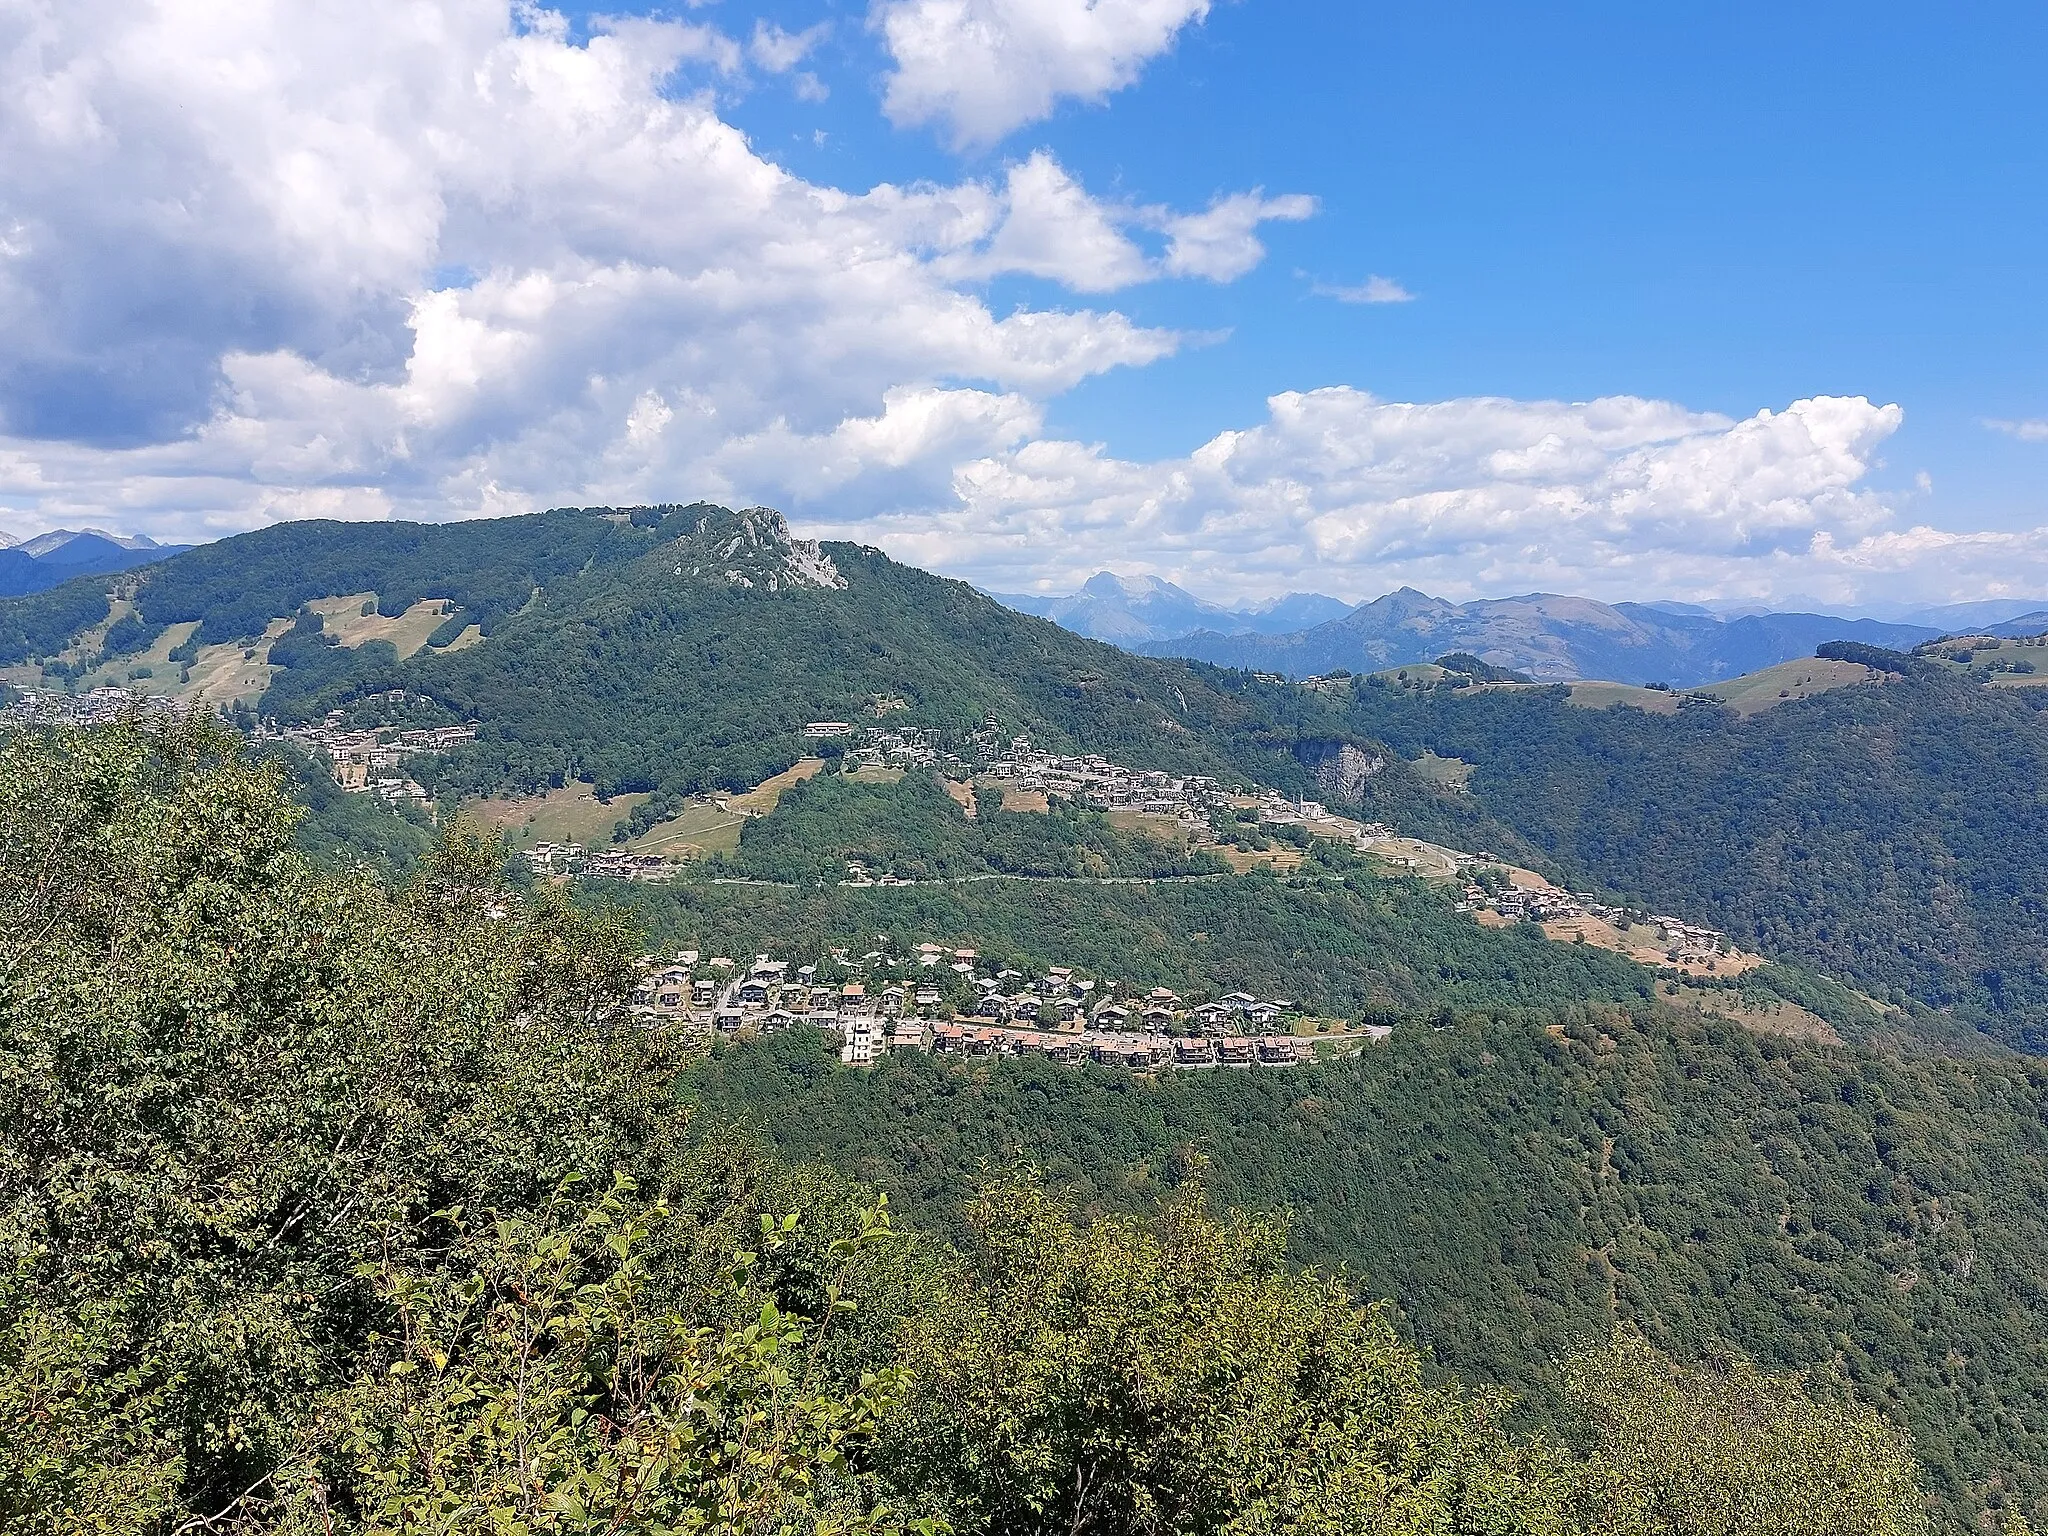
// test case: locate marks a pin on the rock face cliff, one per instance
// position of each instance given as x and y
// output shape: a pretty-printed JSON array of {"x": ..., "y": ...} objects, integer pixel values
[
  {"x": 1341, "y": 768},
  {"x": 755, "y": 548}
]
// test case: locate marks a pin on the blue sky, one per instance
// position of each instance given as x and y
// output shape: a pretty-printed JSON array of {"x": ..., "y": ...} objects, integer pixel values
[
  {"x": 1731, "y": 206},
  {"x": 986, "y": 335}
]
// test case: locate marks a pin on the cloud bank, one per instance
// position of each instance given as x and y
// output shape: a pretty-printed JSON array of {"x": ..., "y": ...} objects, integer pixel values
[
  {"x": 1616, "y": 497},
  {"x": 980, "y": 69},
  {"x": 438, "y": 258}
]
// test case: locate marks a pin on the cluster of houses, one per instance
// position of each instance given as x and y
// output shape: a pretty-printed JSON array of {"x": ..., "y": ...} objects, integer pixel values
[
  {"x": 1682, "y": 942},
  {"x": 371, "y": 761},
  {"x": 905, "y": 746},
  {"x": 1192, "y": 800},
  {"x": 1141, "y": 1053},
  {"x": 947, "y": 1001},
  {"x": 98, "y": 706},
  {"x": 1096, "y": 781},
  {"x": 550, "y": 859}
]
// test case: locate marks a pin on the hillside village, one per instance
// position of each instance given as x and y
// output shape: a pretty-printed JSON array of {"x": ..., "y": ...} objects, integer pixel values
[
  {"x": 373, "y": 761},
  {"x": 97, "y": 706},
  {"x": 951, "y": 1001},
  {"x": 370, "y": 761}
]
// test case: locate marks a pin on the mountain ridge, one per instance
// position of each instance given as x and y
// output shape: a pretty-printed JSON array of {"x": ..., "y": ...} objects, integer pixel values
[
  {"x": 50, "y": 559},
  {"x": 1130, "y": 610},
  {"x": 663, "y": 650},
  {"x": 1553, "y": 638}
]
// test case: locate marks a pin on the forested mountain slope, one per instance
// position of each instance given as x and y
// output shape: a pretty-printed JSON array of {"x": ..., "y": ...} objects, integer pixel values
[
  {"x": 1894, "y": 833},
  {"x": 328, "y": 1207},
  {"x": 657, "y": 677},
  {"x": 1517, "y": 1181},
  {"x": 1891, "y": 835},
  {"x": 668, "y": 649}
]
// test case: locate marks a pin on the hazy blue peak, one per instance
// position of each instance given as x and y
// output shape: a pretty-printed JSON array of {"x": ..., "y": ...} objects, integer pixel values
[{"x": 1135, "y": 610}]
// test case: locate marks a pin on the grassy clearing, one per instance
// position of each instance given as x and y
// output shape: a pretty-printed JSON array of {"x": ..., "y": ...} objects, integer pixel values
[
  {"x": 163, "y": 681},
  {"x": 1164, "y": 828},
  {"x": 701, "y": 829},
  {"x": 223, "y": 674},
  {"x": 408, "y": 631},
  {"x": 1790, "y": 680},
  {"x": 766, "y": 795},
  {"x": 2003, "y": 663},
  {"x": 1309, "y": 1026},
  {"x": 1281, "y": 859},
  {"x": 1406, "y": 856},
  {"x": 1606, "y": 695},
  {"x": 1015, "y": 799},
  {"x": 1643, "y": 946},
  {"x": 1765, "y": 1015},
  {"x": 571, "y": 814},
  {"x": 219, "y": 676},
  {"x": 1746, "y": 695},
  {"x": 711, "y": 824},
  {"x": 1445, "y": 772}
]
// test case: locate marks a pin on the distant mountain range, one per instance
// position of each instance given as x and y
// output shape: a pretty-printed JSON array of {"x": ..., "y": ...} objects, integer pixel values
[
  {"x": 1132, "y": 610},
  {"x": 49, "y": 559},
  {"x": 1550, "y": 638},
  {"x": 1553, "y": 639},
  {"x": 1956, "y": 618}
]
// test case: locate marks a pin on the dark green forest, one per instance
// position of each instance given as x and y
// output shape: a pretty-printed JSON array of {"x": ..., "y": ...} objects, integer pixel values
[
  {"x": 1893, "y": 834},
  {"x": 329, "y": 1205},
  {"x": 339, "y": 829},
  {"x": 1518, "y": 1180},
  {"x": 42, "y": 623}
]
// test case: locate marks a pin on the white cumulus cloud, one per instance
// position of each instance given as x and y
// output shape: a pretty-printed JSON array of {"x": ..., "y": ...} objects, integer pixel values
[
  {"x": 1618, "y": 497},
  {"x": 1047, "y": 225},
  {"x": 439, "y": 258},
  {"x": 442, "y": 258},
  {"x": 2025, "y": 431},
  {"x": 982, "y": 68},
  {"x": 1052, "y": 228},
  {"x": 778, "y": 51},
  {"x": 1374, "y": 290},
  {"x": 1222, "y": 243}
]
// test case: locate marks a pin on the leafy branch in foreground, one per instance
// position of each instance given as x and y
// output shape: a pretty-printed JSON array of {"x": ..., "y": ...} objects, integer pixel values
[
  {"x": 543, "y": 1390},
  {"x": 1174, "y": 1376},
  {"x": 1731, "y": 1448}
]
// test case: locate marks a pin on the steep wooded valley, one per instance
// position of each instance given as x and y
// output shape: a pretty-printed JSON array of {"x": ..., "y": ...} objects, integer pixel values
[{"x": 349, "y": 1182}]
